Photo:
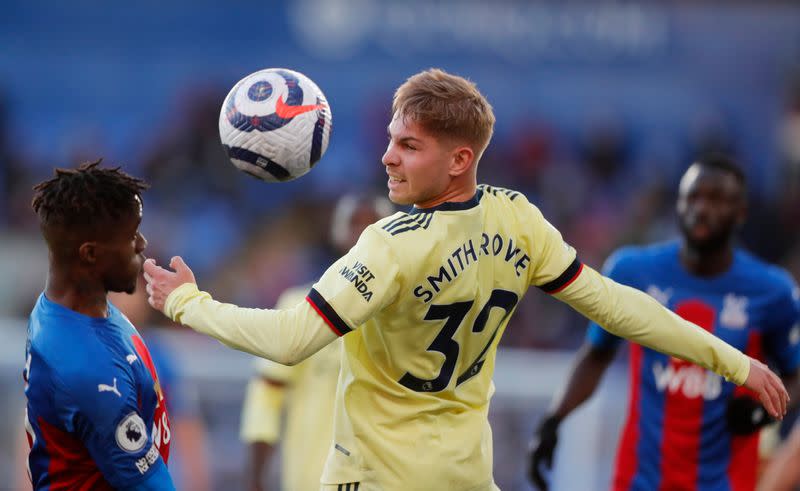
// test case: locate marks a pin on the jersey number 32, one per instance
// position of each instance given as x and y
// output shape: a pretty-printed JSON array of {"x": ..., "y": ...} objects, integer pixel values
[{"x": 453, "y": 314}]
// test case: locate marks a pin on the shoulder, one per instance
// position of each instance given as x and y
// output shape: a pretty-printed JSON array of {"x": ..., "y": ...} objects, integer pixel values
[
  {"x": 64, "y": 344},
  {"x": 501, "y": 194},
  {"x": 80, "y": 361},
  {"x": 632, "y": 258},
  {"x": 506, "y": 200},
  {"x": 511, "y": 206},
  {"x": 764, "y": 275},
  {"x": 402, "y": 223}
]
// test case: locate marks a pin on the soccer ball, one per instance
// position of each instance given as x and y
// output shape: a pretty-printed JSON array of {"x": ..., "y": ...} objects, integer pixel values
[{"x": 275, "y": 124}]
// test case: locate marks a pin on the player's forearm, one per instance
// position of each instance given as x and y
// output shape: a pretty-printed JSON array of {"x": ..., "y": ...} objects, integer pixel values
[
  {"x": 589, "y": 368},
  {"x": 284, "y": 336},
  {"x": 635, "y": 315}
]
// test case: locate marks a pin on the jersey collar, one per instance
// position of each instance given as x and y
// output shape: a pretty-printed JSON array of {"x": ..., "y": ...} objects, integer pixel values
[{"x": 451, "y": 205}]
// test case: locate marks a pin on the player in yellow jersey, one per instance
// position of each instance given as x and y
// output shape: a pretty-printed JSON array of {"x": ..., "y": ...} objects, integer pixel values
[
  {"x": 422, "y": 301},
  {"x": 307, "y": 390}
]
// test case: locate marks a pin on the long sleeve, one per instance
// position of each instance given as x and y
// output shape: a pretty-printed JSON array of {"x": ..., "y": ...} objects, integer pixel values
[
  {"x": 634, "y": 315},
  {"x": 286, "y": 336}
]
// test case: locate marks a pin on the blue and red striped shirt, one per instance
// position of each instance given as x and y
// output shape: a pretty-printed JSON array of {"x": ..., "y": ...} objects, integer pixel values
[
  {"x": 96, "y": 417},
  {"x": 675, "y": 437}
]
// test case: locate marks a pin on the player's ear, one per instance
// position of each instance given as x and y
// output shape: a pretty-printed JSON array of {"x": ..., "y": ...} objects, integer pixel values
[
  {"x": 462, "y": 160},
  {"x": 87, "y": 252}
]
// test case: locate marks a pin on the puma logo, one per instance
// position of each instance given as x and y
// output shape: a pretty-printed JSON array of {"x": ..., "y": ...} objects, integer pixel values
[{"x": 109, "y": 388}]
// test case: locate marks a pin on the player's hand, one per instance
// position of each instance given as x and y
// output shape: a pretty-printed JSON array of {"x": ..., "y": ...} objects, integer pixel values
[
  {"x": 161, "y": 282},
  {"x": 768, "y": 387},
  {"x": 541, "y": 451},
  {"x": 745, "y": 415}
]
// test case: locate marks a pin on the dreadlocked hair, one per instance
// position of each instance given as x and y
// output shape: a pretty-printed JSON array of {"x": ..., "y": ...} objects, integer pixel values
[{"x": 88, "y": 196}]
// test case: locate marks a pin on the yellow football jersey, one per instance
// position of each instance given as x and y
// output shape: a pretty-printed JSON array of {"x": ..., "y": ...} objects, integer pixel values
[
  {"x": 429, "y": 294},
  {"x": 305, "y": 393},
  {"x": 426, "y": 296}
]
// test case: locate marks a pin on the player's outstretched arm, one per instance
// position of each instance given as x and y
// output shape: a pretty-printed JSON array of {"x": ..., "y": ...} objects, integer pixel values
[
  {"x": 634, "y": 315},
  {"x": 590, "y": 365},
  {"x": 285, "y": 336}
]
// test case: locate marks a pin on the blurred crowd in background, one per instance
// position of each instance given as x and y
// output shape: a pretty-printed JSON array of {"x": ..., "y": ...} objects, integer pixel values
[{"x": 600, "y": 109}]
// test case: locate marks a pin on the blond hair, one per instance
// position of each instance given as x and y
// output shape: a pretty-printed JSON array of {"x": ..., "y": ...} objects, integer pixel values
[{"x": 447, "y": 106}]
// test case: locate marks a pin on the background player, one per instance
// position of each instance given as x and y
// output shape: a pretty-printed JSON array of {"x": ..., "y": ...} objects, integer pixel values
[
  {"x": 686, "y": 428},
  {"x": 426, "y": 295},
  {"x": 305, "y": 391},
  {"x": 96, "y": 417}
]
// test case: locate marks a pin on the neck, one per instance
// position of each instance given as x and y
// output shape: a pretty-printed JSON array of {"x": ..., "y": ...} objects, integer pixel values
[
  {"x": 77, "y": 293},
  {"x": 454, "y": 194},
  {"x": 706, "y": 263}
]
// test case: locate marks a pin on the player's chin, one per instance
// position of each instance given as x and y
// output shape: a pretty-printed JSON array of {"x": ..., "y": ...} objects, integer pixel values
[
  {"x": 128, "y": 287},
  {"x": 131, "y": 282},
  {"x": 707, "y": 242},
  {"x": 399, "y": 198}
]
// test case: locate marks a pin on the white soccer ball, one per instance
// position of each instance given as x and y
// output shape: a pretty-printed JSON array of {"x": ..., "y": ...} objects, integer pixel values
[{"x": 275, "y": 124}]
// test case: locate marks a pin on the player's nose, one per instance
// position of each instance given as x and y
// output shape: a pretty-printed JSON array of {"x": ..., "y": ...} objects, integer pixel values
[
  {"x": 389, "y": 157},
  {"x": 701, "y": 208},
  {"x": 141, "y": 244}
]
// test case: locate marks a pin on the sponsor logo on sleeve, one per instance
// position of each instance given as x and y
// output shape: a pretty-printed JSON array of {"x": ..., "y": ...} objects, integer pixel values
[
  {"x": 131, "y": 433},
  {"x": 149, "y": 459},
  {"x": 359, "y": 275}
]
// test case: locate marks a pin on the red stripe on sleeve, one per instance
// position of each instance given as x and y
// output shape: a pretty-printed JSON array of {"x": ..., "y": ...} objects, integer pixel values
[
  {"x": 569, "y": 282},
  {"x": 327, "y": 321}
]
